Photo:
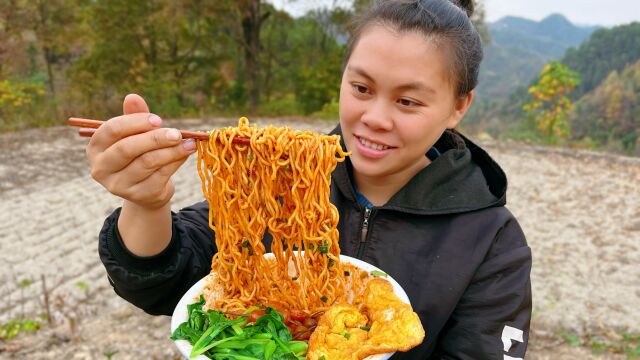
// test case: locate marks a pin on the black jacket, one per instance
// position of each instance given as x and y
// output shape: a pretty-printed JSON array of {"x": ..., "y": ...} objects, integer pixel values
[{"x": 446, "y": 237}]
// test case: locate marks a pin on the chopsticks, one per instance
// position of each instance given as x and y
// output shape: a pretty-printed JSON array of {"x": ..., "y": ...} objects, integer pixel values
[{"x": 88, "y": 127}]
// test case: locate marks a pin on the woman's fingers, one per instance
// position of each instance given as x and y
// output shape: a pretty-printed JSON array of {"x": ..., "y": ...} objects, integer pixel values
[
  {"x": 151, "y": 161},
  {"x": 143, "y": 147},
  {"x": 156, "y": 189},
  {"x": 134, "y": 103},
  {"x": 122, "y": 182},
  {"x": 119, "y": 128}
]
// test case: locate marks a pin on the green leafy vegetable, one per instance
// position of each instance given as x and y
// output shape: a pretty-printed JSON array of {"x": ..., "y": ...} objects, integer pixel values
[
  {"x": 214, "y": 335},
  {"x": 378, "y": 273}
]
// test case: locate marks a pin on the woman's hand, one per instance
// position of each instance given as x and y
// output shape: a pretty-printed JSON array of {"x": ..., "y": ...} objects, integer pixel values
[{"x": 133, "y": 157}]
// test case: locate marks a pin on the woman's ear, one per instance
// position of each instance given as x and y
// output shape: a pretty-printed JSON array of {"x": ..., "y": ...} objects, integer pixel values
[{"x": 461, "y": 106}]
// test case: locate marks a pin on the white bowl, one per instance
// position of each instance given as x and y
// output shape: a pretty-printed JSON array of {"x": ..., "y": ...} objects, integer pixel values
[{"x": 180, "y": 312}]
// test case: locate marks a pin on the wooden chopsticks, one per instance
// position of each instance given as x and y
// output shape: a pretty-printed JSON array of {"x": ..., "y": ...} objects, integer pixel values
[{"x": 88, "y": 127}]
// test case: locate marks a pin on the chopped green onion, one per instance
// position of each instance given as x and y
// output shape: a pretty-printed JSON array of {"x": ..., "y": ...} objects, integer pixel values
[
  {"x": 324, "y": 248},
  {"x": 330, "y": 263},
  {"x": 365, "y": 328},
  {"x": 346, "y": 273},
  {"x": 324, "y": 298}
]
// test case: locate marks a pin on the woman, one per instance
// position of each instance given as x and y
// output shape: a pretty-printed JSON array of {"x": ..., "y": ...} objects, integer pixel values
[{"x": 415, "y": 198}]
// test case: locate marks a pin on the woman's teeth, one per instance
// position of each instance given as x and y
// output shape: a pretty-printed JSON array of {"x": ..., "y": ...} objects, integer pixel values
[{"x": 372, "y": 145}]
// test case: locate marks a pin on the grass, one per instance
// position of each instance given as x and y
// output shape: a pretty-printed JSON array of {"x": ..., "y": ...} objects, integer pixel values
[
  {"x": 15, "y": 327},
  {"x": 621, "y": 343}
]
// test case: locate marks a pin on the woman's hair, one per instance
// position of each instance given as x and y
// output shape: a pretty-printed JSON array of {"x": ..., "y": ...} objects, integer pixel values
[{"x": 445, "y": 22}]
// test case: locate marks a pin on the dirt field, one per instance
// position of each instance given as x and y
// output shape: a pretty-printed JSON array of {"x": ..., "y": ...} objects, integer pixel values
[{"x": 580, "y": 212}]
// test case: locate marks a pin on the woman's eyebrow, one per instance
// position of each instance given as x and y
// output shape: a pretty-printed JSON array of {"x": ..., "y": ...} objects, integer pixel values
[
  {"x": 361, "y": 72},
  {"x": 415, "y": 85}
]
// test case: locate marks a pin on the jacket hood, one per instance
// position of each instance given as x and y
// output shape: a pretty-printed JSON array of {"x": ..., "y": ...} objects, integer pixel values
[{"x": 463, "y": 178}]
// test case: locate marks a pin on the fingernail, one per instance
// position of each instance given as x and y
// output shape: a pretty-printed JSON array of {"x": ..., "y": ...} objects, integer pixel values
[
  {"x": 173, "y": 134},
  {"x": 189, "y": 144},
  {"x": 155, "y": 120}
]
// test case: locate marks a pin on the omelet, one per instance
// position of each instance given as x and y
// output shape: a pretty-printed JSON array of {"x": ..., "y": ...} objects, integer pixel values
[
  {"x": 341, "y": 331},
  {"x": 394, "y": 325},
  {"x": 382, "y": 324}
]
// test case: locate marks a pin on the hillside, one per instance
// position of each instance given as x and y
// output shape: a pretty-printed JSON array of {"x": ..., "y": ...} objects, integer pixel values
[
  {"x": 606, "y": 50},
  {"x": 520, "y": 47},
  {"x": 606, "y": 114}
]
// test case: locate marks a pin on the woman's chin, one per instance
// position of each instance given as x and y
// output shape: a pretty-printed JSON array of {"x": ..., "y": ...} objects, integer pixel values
[{"x": 366, "y": 168}]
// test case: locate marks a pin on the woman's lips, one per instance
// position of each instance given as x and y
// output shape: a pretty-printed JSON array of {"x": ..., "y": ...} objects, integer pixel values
[{"x": 370, "y": 149}]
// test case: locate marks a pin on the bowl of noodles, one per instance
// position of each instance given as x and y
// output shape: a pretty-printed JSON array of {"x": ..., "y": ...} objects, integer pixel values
[
  {"x": 279, "y": 182},
  {"x": 180, "y": 314}
]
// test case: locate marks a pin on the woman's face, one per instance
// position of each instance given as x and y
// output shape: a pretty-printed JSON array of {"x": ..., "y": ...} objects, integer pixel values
[{"x": 396, "y": 100}]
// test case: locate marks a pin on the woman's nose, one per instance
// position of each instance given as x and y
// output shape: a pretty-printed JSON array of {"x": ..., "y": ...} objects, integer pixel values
[{"x": 378, "y": 116}]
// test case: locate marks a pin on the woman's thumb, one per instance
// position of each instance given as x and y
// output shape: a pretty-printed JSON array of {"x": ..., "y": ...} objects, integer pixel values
[{"x": 134, "y": 103}]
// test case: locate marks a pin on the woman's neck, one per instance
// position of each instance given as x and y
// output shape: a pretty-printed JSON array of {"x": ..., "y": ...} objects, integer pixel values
[{"x": 379, "y": 189}]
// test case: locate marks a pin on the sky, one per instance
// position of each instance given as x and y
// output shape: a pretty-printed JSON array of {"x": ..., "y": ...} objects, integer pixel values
[{"x": 581, "y": 12}]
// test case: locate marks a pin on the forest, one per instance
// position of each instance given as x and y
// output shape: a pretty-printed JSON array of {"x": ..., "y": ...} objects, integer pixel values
[{"x": 195, "y": 58}]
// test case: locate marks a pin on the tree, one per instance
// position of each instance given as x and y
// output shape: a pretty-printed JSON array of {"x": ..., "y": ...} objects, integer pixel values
[
  {"x": 550, "y": 103},
  {"x": 52, "y": 22},
  {"x": 250, "y": 16},
  {"x": 610, "y": 114},
  {"x": 10, "y": 39}
]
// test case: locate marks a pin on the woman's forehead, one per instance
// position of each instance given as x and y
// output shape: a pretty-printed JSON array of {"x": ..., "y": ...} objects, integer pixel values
[{"x": 405, "y": 56}]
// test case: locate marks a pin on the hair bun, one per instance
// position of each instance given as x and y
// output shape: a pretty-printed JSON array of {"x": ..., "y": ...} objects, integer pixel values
[{"x": 466, "y": 5}]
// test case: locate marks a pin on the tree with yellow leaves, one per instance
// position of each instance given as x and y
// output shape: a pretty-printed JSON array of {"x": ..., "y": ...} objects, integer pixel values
[{"x": 550, "y": 103}]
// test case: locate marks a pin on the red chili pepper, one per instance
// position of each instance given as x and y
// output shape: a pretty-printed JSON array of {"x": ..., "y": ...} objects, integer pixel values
[
  {"x": 255, "y": 315},
  {"x": 298, "y": 315}
]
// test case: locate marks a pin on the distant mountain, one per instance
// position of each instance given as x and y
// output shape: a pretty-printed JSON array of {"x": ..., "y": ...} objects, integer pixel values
[
  {"x": 550, "y": 37},
  {"x": 519, "y": 49}
]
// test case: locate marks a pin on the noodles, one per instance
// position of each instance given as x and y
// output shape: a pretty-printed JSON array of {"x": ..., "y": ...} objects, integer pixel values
[{"x": 280, "y": 183}]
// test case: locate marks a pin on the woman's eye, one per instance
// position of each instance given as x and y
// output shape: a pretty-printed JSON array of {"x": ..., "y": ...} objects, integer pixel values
[
  {"x": 360, "y": 88},
  {"x": 407, "y": 102}
]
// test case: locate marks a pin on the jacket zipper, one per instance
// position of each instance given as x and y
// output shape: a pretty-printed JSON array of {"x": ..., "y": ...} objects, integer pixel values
[{"x": 363, "y": 232}]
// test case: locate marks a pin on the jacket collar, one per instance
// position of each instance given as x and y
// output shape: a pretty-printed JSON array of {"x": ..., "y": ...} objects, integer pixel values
[{"x": 463, "y": 178}]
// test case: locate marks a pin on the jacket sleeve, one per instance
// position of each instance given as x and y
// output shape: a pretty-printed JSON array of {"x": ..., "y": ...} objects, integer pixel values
[
  {"x": 492, "y": 319},
  {"x": 156, "y": 284}
]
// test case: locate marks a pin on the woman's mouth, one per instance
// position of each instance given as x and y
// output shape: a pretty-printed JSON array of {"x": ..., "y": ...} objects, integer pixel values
[{"x": 372, "y": 149}]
